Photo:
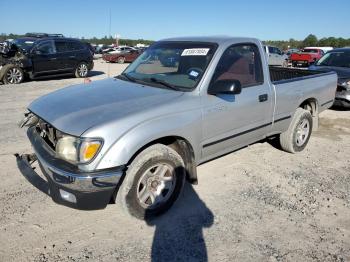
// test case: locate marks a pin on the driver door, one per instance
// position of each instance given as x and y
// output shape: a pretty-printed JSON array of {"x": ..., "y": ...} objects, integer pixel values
[
  {"x": 44, "y": 58},
  {"x": 232, "y": 121}
]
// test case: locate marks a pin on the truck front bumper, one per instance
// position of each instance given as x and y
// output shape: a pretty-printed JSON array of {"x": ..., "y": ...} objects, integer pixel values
[{"x": 66, "y": 184}]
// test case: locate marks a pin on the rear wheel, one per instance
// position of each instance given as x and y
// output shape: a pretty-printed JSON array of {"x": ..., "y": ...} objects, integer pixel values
[
  {"x": 82, "y": 70},
  {"x": 121, "y": 60},
  {"x": 298, "y": 134},
  {"x": 13, "y": 75},
  {"x": 153, "y": 182}
]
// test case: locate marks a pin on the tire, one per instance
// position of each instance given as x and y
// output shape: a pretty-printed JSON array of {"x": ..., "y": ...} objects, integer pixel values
[
  {"x": 82, "y": 70},
  {"x": 121, "y": 60},
  {"x": 13, "y": 75},
  {"x": 144, "y": 193},
  {"x": 298, "y": 134}
]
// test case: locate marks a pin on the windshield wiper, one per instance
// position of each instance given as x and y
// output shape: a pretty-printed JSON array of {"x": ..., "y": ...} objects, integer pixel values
[
  {"x": 164, "y": 83},
  {"x": 131, "y": 79}
]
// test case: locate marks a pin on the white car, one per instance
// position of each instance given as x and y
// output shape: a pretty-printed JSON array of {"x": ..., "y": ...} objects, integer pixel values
[
  {"x": 275, "y": 56},
  {"x": 118, "y": 50}
]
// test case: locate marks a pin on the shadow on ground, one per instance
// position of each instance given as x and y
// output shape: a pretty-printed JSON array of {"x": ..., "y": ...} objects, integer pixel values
[
  {"x": 179, "y": 233},
  {"x": 339, "y": 108}
]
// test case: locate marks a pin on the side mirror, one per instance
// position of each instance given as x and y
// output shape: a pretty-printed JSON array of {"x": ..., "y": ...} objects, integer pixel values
[{"x": 229, "y": 87}]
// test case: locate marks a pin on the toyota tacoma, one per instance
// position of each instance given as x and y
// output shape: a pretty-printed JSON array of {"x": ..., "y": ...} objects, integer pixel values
[{"x": 135, "y": 139}]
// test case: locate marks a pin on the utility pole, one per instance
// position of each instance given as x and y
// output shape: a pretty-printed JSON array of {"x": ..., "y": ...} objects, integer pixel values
[{"x": 117, "y": 36}]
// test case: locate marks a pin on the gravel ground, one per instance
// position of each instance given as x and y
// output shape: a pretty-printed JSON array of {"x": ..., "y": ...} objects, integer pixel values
[{"x": 256, "y": 204}]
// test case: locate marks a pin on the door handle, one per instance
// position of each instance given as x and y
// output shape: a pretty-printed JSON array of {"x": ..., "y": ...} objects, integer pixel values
[
  {"x": 72, "y": 56},
  {"x": 263, "y": 98},
  {"x": 53, "y": 58}
]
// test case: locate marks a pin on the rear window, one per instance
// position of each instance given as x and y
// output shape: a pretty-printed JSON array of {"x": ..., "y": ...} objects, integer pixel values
[{"x": 310, "y": 50}]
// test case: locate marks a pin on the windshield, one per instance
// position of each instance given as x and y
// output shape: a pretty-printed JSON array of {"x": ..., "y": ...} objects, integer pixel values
[
  {"x": 175, "y": 65},
  {"x": 338, "y": 59},
  {"x": 25, "y": 44}
]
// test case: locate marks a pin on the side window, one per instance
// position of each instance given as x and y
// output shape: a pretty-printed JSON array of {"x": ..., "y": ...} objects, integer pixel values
[
  {"x": 240, "y": 62},
  {"x": 46, "y": 48},
  {"x": 271, "y": 50},
  {"x": 61, "y": 46},
  {"x": 278, "y": 51},
  {"x": 74, "y": 46}
]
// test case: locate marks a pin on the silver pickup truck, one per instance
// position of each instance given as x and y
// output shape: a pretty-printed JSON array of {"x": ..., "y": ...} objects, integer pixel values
[{"x": 136, "y": 138}]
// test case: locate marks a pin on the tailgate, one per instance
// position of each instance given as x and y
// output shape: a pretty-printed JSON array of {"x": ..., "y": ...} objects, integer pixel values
[{"x": 301, "y": 57}]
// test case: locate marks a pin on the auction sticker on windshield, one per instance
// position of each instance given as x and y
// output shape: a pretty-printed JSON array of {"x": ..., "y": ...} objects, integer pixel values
[{"x": 195, "y": 51}]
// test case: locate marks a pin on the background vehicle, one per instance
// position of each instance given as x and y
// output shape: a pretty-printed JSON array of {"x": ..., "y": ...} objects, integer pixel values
[
  {"x": 121, "y": 57},
  {"x": 153, "y": 124},
  {"x": 337, "y": 60},
  {"x": 99, "y": 48},
  {"x": 39, "y": 57},
  {"x": 325, "y": 49},
  {"x": 275, "y": 56},
  {"x": 290, "y": 51},
  {"x": 306, "y": 57}
]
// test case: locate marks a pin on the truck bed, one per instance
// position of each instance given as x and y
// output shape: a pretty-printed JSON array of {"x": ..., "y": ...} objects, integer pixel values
[
  {"x": 294, "y": 86},
  {"x": 280, "y": 74}
]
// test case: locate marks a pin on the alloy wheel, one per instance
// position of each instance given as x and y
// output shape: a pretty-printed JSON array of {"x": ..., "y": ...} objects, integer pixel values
[
  {"x": 303, "y": 131},
  {"x": 14, "y": 75},
  {"x": 156, "y": 185}
]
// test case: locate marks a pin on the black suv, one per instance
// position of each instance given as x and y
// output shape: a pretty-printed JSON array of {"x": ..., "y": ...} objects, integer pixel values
[{"x": 43, "y": 55}]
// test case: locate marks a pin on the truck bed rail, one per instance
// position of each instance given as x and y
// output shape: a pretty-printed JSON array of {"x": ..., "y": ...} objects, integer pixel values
[{"x": 278, "y": 74}]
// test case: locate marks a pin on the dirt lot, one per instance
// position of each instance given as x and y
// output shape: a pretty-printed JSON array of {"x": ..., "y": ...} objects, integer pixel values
[{"x": 257, "y": 204}]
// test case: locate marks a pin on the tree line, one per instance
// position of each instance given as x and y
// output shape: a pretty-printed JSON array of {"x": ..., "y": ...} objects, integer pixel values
[{"x": 310, "y": 40}]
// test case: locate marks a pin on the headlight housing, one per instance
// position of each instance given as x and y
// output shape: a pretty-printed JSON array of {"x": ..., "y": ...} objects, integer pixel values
[
  {"x": 346, "y": 84},
  {"x": 78, "y": 150}
]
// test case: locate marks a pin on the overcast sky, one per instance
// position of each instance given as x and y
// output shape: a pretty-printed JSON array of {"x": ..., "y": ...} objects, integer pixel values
[{"x": 264, "y": 19}]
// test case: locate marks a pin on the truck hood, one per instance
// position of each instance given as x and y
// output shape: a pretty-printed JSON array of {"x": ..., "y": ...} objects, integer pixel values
[
  {"x": 77, "y": 108},
  {"x": 342, "y": 72}
]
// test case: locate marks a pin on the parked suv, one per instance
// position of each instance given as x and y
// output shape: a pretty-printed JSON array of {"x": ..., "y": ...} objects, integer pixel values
[{"x": 43, "y": 56}]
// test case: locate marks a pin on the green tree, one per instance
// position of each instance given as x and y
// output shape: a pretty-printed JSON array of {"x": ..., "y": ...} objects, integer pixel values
[{"x": 310, "y": 40}]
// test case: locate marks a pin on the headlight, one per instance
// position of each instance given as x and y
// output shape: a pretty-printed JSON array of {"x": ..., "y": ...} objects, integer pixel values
[
  {"x": 77, "y": 150},
  {"x": 346, "y": 84}
]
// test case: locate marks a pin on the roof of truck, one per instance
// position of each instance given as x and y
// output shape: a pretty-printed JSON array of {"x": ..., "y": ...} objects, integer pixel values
[{"x": 211, "y": 39}]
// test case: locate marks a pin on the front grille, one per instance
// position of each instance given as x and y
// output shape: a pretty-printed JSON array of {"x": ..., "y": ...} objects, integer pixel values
[{"x": 49, "y": 134}]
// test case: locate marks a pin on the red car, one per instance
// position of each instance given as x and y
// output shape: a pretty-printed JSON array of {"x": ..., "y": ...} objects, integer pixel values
[
  {"x": 127, "y": 56},
  {"x": 306, "y": 57}
]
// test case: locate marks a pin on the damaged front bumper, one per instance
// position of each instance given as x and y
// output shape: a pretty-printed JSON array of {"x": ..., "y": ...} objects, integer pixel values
[
  {"x": 66, "y": 184},
  {"x": 342, "y": 98}
]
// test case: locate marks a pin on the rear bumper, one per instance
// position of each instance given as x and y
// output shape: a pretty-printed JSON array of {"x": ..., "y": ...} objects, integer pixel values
[{"x": 69, "y": 186}]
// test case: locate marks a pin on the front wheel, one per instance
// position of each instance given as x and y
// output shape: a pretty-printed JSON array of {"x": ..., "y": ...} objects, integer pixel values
[
  {"x": 82, "y": 70},
  {"x": 298, "y": 134},
  {"x": 153, "y": 182},
  {"x": 13, "y": 75}
]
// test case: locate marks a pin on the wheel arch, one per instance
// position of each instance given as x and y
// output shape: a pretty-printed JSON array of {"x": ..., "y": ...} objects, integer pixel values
[
  {"x": 183, "y": 147},
  {"x": 311, "y": 105}
]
